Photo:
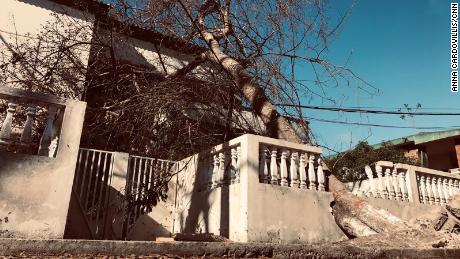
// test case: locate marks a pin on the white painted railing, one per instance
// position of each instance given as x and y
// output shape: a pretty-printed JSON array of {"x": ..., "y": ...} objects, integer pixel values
[
  {"x": 402, "y": 182},
  {"x": 435, "y": 187},
  {"x": 18, "y": 118},
  {"x": 296, "y": 166},
  {"x": 279, "y": 163},
  {"x": 221, "y": 167}
]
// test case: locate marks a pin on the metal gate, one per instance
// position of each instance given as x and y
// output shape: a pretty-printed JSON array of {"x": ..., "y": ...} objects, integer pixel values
[
  {"x": 91, "y": 187},
  {"x": 144, "y": 174}
]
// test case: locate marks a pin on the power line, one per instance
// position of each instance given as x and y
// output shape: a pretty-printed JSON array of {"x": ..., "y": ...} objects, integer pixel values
[
  {"x": 360, "y": 110},
  {"x": 380, "y": 125},
  {"x": 386, "y": 108}
]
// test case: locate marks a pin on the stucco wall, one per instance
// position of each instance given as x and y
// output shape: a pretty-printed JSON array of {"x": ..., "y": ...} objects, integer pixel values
[
  {"x": 35, "y": 190},
  {"x": 288, "y": 215},
  {"x": 147, "y": 54},
  {"x": 24, "y": 21}
]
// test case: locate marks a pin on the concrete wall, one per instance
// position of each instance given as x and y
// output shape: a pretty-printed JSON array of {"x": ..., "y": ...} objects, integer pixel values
[
  {"x": 35, "y": 190},
  {"x": 147, "y": 54},
  {"x": 287, "y": 215},
  {"x": 23, "y": 21}
]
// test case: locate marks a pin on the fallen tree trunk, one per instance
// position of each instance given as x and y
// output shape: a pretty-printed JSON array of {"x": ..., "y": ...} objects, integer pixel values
[{"x": 357, "y": 217}]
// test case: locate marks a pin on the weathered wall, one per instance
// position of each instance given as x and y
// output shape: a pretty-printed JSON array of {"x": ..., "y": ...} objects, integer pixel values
[
  {"x": 147, "y": 54},
  {"x": 35, "y": 190},
  {"x": 407, "y": 211},
  {"x": 288, "y": 215},
  {"x": 24, "y": 21}
]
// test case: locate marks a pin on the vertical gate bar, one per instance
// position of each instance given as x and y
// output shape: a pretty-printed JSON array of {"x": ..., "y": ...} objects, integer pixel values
[
  {"x": 142, "y": 185},
  {"x": 90, "y": 180},
  {"x": 152, "y": 174},
  {"x": 85, "y": 174},
  {"x": 98, "y": 188},
  {"x": 77, "y": 169},
  {"x": 139, "y": 189},
  {"x": 82, "y": 171},
  {"x": 128, "y": 192},
  {"x": 134, "y": 193},
  {"x": 97, "y": 175},
  {"x": 108, "y": 180}
]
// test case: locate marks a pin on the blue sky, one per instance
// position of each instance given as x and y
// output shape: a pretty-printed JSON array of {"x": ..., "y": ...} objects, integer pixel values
[{"x": 403, "y": 49}]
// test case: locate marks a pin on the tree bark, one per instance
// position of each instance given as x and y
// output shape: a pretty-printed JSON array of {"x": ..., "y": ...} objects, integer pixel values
[
  {"x": 277, "y": 125},
  {"x": 357, "y": 216}
]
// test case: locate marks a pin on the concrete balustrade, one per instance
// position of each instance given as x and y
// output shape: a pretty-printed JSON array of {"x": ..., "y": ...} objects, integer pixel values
[
  {"x": 222, "y": 167},
  {"x": 435, "y": 187},
  {"x": 19, "y": 124},
  {"x": 407, "y": 183},
  {"x": 298, "y": 167}
]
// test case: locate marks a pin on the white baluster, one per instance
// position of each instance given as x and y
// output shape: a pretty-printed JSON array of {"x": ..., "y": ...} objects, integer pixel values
[
  {"x": 423, "y": 194},
  {"x": 222, "y": 175},
  {"x": 383, "y": 193},
  {"x": 46, "y": 137},
  {"x": 451, "y": 188},
  {"x": 445, "y": 189},
  {"x": 302, "y": 172},
  {"x": 264, "y": 174},
  {"x": 419, "y": 188},
  {"x": 389, "y": 184},
  {"x": 456, "y": 186},
  {"x": 434, "y": 186},
  {"x": 311, "y": 173},
  {"x": 403, "y": 186},
  {"x": 293, "y": 170},
  {"x": 234, "y": 169},
  {"x": 429, "y": 190},
  {"x": 5, "y": 132},
  {"x": 283, "y": 168},
  {"x": 26, "y": 136},
  {"x": 321, "y": 176},
  {"x": 370, "y": 178},
  {"x": 396, "y": 187},
  {"x": 274, "y": 168},
  {"x": 442, "y": 198},
  {"x": 215, "y": 172}
]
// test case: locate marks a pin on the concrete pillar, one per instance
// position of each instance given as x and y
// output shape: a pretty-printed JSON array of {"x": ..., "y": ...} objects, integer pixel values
[{"x": 412, "y": 184}]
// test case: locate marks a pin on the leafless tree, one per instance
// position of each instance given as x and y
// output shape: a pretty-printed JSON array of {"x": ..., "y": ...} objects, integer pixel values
[{"x": 244, "y": 52}]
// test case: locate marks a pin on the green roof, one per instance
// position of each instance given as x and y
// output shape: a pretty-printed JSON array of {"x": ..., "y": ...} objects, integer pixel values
[
  {"x": 422, "y": 137},
  {"x": 418, "y": 138}
]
